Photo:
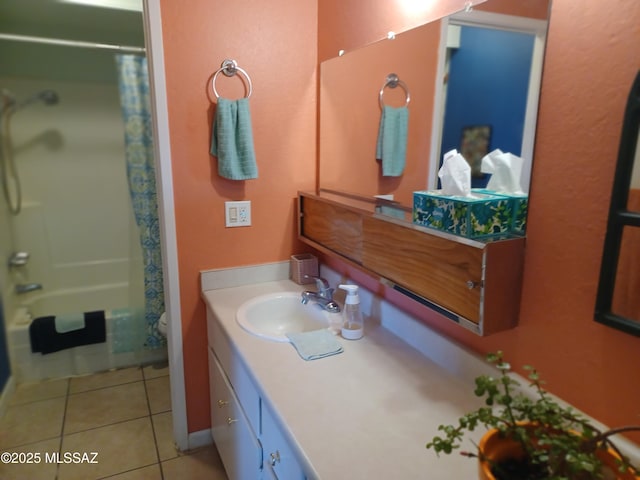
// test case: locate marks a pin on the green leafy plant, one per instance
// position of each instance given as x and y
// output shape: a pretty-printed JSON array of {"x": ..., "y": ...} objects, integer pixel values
[{"x": 557, "y": 443}]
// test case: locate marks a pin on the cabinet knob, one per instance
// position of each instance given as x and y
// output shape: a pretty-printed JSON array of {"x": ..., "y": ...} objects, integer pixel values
[
  {"x": 222, "y": 403},
  {"x": 275, "y": 458},
  {"x": 471, "y": 284},
  {"x": 231, "y": 420}
]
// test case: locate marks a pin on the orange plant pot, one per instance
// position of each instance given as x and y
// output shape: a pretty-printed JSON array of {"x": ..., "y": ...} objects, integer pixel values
[{"x": 495, "y": 448}]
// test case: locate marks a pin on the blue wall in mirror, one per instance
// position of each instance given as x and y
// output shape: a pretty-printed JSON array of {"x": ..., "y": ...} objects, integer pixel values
[{"x": 488, "y": 85}]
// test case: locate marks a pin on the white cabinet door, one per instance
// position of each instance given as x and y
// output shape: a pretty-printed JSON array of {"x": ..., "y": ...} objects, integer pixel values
[
  {"x": 279, "y": 461},
  {"x": 237, "y": 444}
]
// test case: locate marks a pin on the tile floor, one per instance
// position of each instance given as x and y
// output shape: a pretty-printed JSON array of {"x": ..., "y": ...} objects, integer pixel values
[{"x": 122, "y": 415}]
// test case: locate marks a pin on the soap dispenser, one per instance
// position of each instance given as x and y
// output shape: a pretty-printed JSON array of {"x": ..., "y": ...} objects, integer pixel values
[{"x": 352, "y": 323}]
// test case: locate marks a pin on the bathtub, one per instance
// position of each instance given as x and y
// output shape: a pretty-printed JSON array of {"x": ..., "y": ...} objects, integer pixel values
[{"x": 27, "y": 366}]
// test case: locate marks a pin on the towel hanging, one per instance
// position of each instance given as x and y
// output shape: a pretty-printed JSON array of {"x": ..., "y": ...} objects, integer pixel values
[
  {"x": 393, "y": 81},
  {"x": 229, "y": 68}
]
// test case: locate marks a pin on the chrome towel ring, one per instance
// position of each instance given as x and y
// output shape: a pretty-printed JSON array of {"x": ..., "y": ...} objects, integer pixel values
[
  {"x": 392, "y": 81},
  {"x": 229, "y": 68}
]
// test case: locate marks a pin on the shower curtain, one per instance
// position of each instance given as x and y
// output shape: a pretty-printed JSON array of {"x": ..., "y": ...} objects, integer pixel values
[{"x": 134, "y": 99}]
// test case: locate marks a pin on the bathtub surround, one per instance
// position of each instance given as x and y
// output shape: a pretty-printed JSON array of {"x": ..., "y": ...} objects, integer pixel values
[{"x": 119, "y": 349}]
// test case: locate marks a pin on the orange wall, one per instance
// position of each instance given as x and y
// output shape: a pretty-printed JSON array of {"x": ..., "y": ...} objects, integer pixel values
[
  {"x": 348, "y": 132},
  {"x": 591, "y": 59},
  {"x": 276, "y": 43},
  {"x": 349, "y": 24}
]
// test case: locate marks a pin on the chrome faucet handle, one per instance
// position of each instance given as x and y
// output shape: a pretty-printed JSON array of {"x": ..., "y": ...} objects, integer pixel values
[
  {"x": 18, "y": 259},
  {"x": 322, "y": 285}
]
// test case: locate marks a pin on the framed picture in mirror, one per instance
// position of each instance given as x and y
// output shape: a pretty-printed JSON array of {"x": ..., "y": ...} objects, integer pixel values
[{"x": 474, "y": 145}]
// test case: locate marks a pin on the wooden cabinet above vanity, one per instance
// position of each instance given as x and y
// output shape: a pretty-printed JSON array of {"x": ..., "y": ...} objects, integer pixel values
[{"x": 475, "y": 283}]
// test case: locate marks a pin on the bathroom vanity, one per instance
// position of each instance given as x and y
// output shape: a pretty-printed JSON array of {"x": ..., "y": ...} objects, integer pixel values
[{"x": 364, "y": 413}]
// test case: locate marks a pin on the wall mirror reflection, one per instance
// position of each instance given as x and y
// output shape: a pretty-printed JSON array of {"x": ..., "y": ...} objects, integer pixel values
[
  {"x": 618, "y": 300},
  {"x": 425, "y": 59}
]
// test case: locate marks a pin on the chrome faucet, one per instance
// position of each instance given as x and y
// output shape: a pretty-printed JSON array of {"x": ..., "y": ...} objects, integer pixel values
[
  {"x": 18, "y": 259},
  {"x": 27, "y": 287},
  {"x": 323, "y": 297}
]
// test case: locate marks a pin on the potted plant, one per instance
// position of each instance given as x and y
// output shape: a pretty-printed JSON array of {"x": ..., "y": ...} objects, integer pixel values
[{"x": 534, "y": 438}]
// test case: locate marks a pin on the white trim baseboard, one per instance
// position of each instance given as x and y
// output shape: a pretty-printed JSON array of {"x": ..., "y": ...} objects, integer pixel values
[{"x": 201, "y": 438}]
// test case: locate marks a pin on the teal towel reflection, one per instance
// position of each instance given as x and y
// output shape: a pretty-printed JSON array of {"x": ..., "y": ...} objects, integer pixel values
[{"x": 391, "y": 147}]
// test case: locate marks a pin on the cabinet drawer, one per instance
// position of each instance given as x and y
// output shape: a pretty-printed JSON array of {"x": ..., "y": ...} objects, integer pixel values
[
  {"x": 236, "y": 372},
  {"x": 279, "y": 460},
  {"x": 235, "y": 440}
]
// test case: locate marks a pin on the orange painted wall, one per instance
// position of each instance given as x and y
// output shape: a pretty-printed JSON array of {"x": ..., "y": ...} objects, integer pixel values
[
  {"x": 350, "y": 113},
  {"x": 349, "y": 24},
  {"x": 276, "y": 43},
  {"x": 591, "y": 59}
]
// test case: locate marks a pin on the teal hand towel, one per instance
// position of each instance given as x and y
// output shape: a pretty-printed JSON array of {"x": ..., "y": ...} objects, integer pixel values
[
  {"x": 69, "y": 322},
  {"x": 232, "y": 140},
  {"x": 315, "y": 344},
  {"x": 391, "y": 147}
]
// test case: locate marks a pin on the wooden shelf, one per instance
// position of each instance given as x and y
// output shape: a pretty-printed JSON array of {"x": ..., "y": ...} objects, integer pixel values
[{"x": 475, "y": 283}]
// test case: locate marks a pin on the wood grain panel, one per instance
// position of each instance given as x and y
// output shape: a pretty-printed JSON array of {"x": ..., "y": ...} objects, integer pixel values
[
  {"x": 502, "y": 285},
  {"x": 336, "y": 228},
  {"x": 431, "y": 266},
  {"x": 436, "y": 267}
]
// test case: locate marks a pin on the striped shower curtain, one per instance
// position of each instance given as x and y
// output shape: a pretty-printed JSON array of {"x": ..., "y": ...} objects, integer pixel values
[{"x": 134, "y": 99}]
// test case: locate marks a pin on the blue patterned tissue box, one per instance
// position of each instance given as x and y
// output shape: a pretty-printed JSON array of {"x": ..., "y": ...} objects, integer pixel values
[
  {"x": 482, "y": 215},
  {"x": 520, "y": 204}
]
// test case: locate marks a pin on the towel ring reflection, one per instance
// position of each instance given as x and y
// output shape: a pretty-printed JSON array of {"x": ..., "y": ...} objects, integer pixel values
[
  {"x": 392, "y": 81},
  {"x": 229, "y": 68}
]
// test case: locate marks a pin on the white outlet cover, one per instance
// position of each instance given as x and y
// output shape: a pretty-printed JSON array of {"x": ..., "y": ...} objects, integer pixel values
[{"x": 237, "y": 214}]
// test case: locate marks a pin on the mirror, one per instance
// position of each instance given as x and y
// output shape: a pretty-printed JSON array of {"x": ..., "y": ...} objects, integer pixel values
[
  {"x": 350, "y": 85},
  {"x": 618, "y": 300}
]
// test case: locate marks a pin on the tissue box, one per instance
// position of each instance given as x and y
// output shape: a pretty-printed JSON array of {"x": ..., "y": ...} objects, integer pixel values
[
  {"x": 520, "y": 203},
  {"x": 481, "y": 215}
]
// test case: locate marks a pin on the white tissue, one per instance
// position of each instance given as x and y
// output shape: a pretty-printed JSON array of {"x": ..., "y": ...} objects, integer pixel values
[
  {"x": 505, "y": 170},
  {"x": 455, "y": 175}
]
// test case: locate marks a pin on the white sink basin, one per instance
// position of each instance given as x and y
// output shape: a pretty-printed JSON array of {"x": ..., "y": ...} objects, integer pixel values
[{"x": 274, "y": 315}]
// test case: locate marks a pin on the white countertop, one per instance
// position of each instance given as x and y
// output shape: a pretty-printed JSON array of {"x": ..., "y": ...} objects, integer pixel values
[{"x": 366, "y": 413}]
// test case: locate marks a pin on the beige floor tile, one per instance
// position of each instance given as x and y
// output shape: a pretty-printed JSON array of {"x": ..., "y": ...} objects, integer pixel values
[
  {"x": 40, "y": 469},
  {"x": 151, "y": 472},
  {"x": 163, "y": 429},
  {"x": 32, "y": 392},
  {"x": 105, "y": 406},
  {"x": 121, "y": 447},
  {"x": 156, "y": 370},
  {"x": 203, "y": 463},
  {"x": 159, "y": 393},
  {"x": 105, "y": 379},
  {"x": 31, "y": 422}
]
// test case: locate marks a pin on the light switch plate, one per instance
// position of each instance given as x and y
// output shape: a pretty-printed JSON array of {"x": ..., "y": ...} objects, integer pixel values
[{"x": 237, "y": 214}]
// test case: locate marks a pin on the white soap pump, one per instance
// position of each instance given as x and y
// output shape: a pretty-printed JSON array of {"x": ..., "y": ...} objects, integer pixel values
[{"x": 352, "y": 323}]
